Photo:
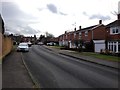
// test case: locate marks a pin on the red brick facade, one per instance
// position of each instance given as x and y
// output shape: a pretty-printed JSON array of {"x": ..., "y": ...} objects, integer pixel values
[
  {"x": 113, "y": 36},
  {"x": 88, "y": 34},
  {"x": 96, "y": 32}
]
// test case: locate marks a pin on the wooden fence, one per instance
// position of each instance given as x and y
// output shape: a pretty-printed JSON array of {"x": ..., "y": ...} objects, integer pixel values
[{"x": 6, "y": 45}]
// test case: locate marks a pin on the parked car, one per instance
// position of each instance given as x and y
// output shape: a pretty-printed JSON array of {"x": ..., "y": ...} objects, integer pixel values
[
  {"x": 40, "y": 43},
  {"x": 51, "y": 44},
  {"x": 29, "y": 44},
  {"x": 23, "y": 47}
]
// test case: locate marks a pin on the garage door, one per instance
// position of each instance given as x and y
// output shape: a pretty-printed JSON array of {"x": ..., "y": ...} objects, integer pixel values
[
  {"x": 98, "y": 47},
  {"x": 99, "y": 44}
]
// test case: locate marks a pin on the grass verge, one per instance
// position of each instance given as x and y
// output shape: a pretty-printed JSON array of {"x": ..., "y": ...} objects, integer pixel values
[
  {"x": 56, "y": 47},
  {"x": 99, "y": 56},
  {"x": 95, "y": 55}
]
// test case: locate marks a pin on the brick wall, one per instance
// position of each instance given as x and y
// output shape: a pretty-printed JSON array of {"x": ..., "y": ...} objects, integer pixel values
[
  {"x": 99, "y": 33},
  {"x": 111, "y": 36}
]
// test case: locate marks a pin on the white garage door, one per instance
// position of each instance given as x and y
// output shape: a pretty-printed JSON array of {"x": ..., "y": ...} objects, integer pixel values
[
  {"x": 99, "y": 44},
  {"x": 98, "y": 47}
]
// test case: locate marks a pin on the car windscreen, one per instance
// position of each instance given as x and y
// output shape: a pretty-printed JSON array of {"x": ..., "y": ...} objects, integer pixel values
[{"x": 23, "y": 44}]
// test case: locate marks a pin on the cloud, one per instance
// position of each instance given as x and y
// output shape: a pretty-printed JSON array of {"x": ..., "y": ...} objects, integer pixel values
[
  {"x": 12, "y": 11},
  {"x": 99, "y": 16},
  {"x": 17, "y": 21},
  {"x": 61, "y": 13},
  {"x": 85, "y": 13},
  {"x": 40, "y": 9},
  {"x": 52, "y": 8},
  {"x": 20, "y": 29},
  {"x": 28, "y": 30}
]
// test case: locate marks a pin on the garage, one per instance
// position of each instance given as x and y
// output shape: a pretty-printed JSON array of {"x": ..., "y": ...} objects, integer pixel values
[{"x": 98, "y": 45}]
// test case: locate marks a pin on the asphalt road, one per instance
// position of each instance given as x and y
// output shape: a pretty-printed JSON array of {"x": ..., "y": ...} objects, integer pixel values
[{"x": 52, "y": 70}]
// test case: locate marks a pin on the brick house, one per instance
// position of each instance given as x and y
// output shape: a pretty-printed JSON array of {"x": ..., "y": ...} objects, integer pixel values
[
  {"x": 61, "y": 40},
  {"x": 91, "y": 37},
  {"x": 113, "y": 35},
  {"x": 94, "y": 38},
  {"x": 84, "y": 37},
  {"x": 53, "y": 39},
  {"x": 29, "y": 39},
  {"x": 67, "y": 39}
]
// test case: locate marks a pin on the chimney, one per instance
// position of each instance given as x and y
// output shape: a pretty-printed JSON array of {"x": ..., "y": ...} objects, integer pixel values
[
  {"x": 79, "y": 27},
  {"x": 75, "y": 28},
  {"x": 65, "y": 32},
  {"x": 118, "y": 16},
  {"x": 100, "y": 21}
]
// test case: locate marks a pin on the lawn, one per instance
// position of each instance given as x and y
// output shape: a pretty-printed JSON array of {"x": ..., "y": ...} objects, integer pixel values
[
  {"x": 57, "y": 47},
  {"x": 100, "y": 56},
  {"x": 95, "y": 55}
]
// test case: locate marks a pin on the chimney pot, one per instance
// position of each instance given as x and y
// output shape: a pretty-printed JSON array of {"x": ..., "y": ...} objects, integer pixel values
[
  {"x": 79, "y": 27},
  {"x": 100, "y": 21},
  {"x": 65, "y": 32},
  {"x": 75, "y": 28}
]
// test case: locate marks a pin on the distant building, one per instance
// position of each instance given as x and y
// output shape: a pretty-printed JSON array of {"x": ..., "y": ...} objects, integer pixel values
[{"x": 29, "y": 39}]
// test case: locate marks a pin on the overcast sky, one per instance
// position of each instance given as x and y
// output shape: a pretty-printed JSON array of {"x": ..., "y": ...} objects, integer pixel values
[{"x": 29, "y": 17}]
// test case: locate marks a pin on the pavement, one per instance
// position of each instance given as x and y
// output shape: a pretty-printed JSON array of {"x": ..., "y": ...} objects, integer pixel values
[
  {"x": 90, "y": 59},
  {"x": 14, "y": 73}
]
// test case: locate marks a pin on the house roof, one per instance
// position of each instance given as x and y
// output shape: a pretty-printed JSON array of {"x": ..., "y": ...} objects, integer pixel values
[
  {"x": 113, "y": 24},
  {"x": 84, "y": 29},
  {"x": 90, "y": 27}
]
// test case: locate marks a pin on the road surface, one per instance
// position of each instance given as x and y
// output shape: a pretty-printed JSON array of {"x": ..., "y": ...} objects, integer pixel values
[{"x": 53, "y": 70}]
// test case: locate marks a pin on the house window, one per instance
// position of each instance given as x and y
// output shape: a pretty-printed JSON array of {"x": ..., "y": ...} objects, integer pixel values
[
  {"x": 74, "y": 35},
  {"x": 63, "y": 37},
  {"x": 66, "y": 36},
  {"x": 109, "y": 47},
  {"x": 86, "y": 33},
  {"x": 80, "y": 35},
  {"x": 118, "y": 46},
  {"x": 113, "y": 46},
  {"x": 114, "y": 30}
]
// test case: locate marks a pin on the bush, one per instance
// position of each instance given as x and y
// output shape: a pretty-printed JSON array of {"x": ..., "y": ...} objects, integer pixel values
[{"x": 108, "y": 52}]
